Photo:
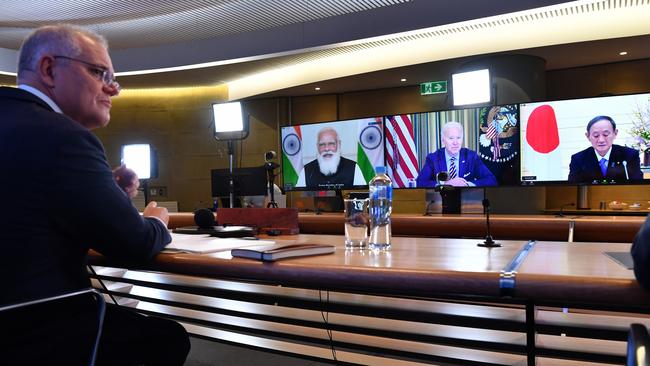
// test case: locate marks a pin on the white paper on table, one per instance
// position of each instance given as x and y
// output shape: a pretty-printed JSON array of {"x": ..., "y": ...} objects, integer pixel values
[{"x": 208, "y": 244}]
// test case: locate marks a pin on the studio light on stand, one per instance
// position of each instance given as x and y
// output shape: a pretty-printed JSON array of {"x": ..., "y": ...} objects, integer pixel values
[
  {"x": 229, "y": 125},
  {"x": 270, "y": 166},
  {"x": 141, "y": 159}
]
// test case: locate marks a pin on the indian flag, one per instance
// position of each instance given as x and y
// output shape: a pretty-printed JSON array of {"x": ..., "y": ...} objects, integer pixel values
[
  {"x": 370, "y": 150},
  {"x": 291, "y": 155}
]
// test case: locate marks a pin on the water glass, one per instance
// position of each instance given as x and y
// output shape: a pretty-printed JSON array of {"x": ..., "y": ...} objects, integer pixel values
[{"x": 356, "y": 223}]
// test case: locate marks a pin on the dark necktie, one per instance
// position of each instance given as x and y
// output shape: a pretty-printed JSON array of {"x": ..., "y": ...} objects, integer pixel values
[
  {"x": 603, "y": 166},
  {"x": 452, "y": 167}
]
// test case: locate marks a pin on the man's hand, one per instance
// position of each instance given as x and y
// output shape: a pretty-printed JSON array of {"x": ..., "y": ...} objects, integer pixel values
[
  {"x": 457, "y": 182},
  {"x": 152, "y": 210},
  {"x": 127, "y": 180}
]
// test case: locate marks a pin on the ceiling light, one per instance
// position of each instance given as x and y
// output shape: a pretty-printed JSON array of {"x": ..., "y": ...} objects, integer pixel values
[
  {"x": 402, "y": 79},
  {"x": 623, "y": 53},
  {"x": 316, "y": 88}
]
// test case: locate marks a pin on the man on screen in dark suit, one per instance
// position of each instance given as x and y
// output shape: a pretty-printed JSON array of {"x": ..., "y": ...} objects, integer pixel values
[
  {"x": 330, "y": 169},
  {"x": 604, "y": 160},
  {"x": 463, "y": 166},
  {"x": 60, "y": 198}
]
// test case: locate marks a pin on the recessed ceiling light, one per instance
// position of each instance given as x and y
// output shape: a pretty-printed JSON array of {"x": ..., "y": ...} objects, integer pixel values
[
  {"x": 402, "y": 79},
  {"x": 316, "y": 88},
  {"x": 623, "y": 53}
]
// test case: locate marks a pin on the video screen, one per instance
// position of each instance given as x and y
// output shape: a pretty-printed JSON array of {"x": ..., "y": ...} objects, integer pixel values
[
  {"x": 246, "y": 182},
  {"x": 475, "y": 147},
  {"x": 332, "y": 155},
  {"x": 586, "y": 141}
]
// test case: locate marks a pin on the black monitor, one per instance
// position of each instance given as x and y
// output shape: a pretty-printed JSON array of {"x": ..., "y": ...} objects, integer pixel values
[{"x": 247, "y": 182}]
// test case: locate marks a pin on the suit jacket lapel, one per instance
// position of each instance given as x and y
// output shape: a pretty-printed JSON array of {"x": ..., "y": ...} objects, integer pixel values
[
  {"x": 441, "y": 162},
  {"x": 615, "y": 166},
  {"x": 462, "y": 163},
  {"x": 593, "y": 164}
]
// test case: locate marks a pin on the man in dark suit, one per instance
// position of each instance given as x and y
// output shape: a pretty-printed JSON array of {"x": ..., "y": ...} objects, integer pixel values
[
  {"x": 604, "y": 160},
  {"x": 330, "y": 170},
  {"x": 463, "y": 166},
  {"x": 60, "y": 198}
]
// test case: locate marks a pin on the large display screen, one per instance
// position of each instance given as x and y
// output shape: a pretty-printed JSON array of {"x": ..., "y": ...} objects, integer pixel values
[
  {"x": 586, "y": 141},
  {"x": 476, "y": 147},
  {"x": 332, "y": 155},
  {"x": 601, "y": 140}
]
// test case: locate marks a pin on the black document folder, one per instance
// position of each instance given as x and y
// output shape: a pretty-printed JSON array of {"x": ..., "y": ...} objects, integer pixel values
[{"x": 218, "y": 231}]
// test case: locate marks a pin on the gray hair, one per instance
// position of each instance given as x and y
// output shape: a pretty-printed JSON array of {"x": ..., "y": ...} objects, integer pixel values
[
  {"x": 60, "y": 39},
  {"x": 328, "y": 129},
  {"x": 452, "y": 124}
]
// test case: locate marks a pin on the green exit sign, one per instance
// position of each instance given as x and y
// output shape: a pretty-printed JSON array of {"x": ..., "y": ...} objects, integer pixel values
[{"x": 433, "y": 87}]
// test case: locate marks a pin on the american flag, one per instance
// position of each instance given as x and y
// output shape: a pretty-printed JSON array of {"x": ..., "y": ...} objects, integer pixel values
[
  {"x": 491, "y": 132},
  {"x": 401, "y": 155},
  {"x": 493, "y": 135}
]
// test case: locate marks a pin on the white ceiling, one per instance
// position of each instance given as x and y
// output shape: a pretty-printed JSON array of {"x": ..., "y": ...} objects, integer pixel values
[
  {"x": 144, "y": 23},
  {"x": 232, "y": 41}
]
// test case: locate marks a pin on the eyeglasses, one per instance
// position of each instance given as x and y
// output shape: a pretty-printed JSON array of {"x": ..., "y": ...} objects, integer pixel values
[{"x": 99, "y": 72}]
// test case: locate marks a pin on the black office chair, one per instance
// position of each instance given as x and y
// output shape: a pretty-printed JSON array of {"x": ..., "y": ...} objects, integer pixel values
[
  {"x": 638, "y": 343},
  {"x": 46, "y": 304}
]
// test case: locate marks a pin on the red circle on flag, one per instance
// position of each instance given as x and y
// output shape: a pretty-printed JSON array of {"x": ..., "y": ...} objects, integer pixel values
[{"x": 541, "y": 131}]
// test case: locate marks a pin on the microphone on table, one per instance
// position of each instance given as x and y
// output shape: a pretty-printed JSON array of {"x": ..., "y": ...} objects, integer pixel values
[
  {"x": 489, "y": 242},
  {"x": 561, "y": 213},
  {"x": 204, "y": 218},
  {"x": 627, "y": 176},
  {"x": 441, "y": 178}
]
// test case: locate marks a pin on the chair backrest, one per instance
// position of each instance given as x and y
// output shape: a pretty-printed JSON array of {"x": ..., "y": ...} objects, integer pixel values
[
  {"x": 8, "y": 310},
  {"x": 638, "y": 342}
]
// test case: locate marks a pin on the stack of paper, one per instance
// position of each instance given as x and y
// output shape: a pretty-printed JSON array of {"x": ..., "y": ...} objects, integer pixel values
[{"x": 208, "y": 244}]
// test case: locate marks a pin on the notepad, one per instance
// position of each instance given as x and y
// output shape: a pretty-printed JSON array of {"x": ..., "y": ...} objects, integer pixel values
[
  {"x": 208, "y": 244},
  {"x": 279, "y": 251}
]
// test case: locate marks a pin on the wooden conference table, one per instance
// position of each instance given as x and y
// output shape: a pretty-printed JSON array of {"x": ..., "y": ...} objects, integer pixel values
[{"x": 426, "y": 301}]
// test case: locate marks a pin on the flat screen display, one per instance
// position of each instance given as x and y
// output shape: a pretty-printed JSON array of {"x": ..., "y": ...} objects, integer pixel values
[
  {"x": 246, "y": 182},
  {"x": 586, "y": 141},
  {"x": 332, "y": 155},
  {"x": 483, "y": 143}
]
